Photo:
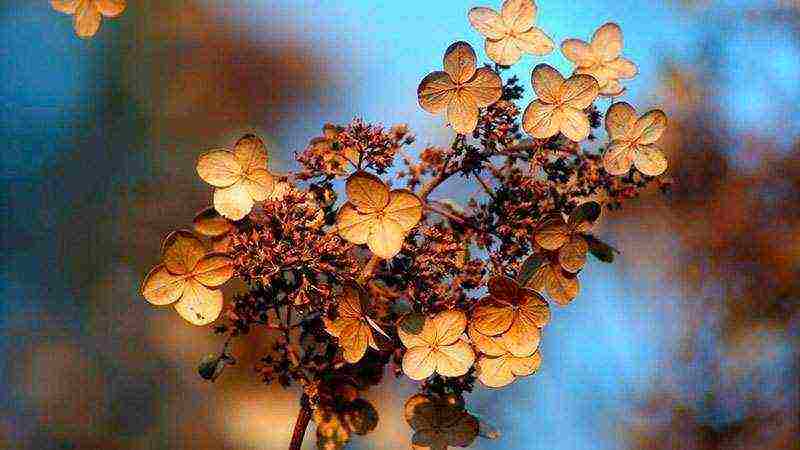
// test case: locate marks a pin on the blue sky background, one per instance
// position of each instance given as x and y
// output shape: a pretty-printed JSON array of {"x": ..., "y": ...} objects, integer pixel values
[{"x": 601, "y": 354}]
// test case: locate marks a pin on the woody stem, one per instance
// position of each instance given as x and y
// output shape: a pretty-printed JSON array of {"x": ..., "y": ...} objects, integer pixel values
[{"x": 303, "y": 419}]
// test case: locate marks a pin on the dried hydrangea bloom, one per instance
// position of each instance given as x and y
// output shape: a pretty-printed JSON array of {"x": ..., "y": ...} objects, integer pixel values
[
  {"x": 601, "y": 58},
  {"x": 501, "y": 370},
  {"x": 375, "y": 216},
  {"x": 555, "y": 234},
  {"x": 240, "y": 176},
  {"x": 511, "y": 33},
  {"x": 337, "y": 159},
  {"x": 513, "y": 312},
  {"x": 633, "y": 141},
  {"x": 439, "y": 423},
  {"x": 211, "y": 224},
  {"x": 460, "y": 89},
  {"x": 352, "y": 326},
  {"x": 89, "y": 13},
  {"x": 560, "y": 285},
  {"x": 186, "y": 276},
  {"x": 438, "y": 347},
  {"x": 560, "y": 105}
]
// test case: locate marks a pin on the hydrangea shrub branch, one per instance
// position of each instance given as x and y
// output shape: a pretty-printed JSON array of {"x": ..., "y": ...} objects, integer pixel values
[{"x": 386, "y": 273}]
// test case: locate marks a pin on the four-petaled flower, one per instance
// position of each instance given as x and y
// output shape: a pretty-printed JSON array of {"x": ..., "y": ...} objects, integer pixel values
[
  {"x": 352, "y": 325},
  {"x": 438, "y": 347},
  {"x": 560, "y": 104},
  {"x": 460, "y": 88},
  {"x": 553, "y": 233},
  {"x": 498, "y": 366},
  {"x": 601, "y": 59},
  {"x": 513, "y": 312},
  {"x": 633, "y": 141},
  {"x": 439, "y": 423},
  {"x": 560, "y": 285},
  {"x": 375, "y": 216},
  {"x": 240, "y": 176},
  {"x": 186, "y": 275},
  {"x": 512, "y": 32},
  {"x": 89, "y": 13}
]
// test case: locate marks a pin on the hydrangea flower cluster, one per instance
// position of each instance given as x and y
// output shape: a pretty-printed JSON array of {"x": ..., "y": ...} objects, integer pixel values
[{"x": 448, "y": 294}]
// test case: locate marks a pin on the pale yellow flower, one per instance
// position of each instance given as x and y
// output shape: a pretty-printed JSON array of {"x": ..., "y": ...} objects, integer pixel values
[
  {"x": 185, "y": 276},
  {"x": 89, "y": 13},
  {"x": 633, "y": 141},
  {"x": 240, "y": 176},
  {"x": 460, "y": 89},
  {"x": 438, "y": 347},
  {"x": 601, "y": 59},
  {"x": 511, "y": 33},
  {"x": 560, "y": 106},
  {"x": 375, "y": 216}
]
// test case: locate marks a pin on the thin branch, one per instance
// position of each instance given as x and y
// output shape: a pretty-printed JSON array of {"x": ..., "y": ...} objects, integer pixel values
[
  {"x": 484, "y": 185},
  {"x": 303, "y": 419}
]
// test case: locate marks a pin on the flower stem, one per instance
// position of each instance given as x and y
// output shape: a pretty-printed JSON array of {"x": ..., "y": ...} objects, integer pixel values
[{"x": 303, "y": 419}]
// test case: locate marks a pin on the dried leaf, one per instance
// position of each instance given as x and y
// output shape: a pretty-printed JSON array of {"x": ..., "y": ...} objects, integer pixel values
[{"x": 600, "y": 249}]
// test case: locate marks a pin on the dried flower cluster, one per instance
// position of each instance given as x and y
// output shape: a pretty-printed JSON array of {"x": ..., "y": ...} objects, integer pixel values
[{"x": 445, "y": 293}]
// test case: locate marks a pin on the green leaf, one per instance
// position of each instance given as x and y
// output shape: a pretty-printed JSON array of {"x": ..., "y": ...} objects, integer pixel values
[
  {"x": 600, "y": 249},
  {"x": 585, "y": 212},
  {"x": 528, "y": 268},
  {"x": 413, "y": 323}
]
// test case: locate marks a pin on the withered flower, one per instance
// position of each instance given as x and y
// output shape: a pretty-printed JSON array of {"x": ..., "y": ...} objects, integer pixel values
[
  {"x": 560, "y": 285},
  {"x": 560, "y": 105},
  {"x": 352, "y": 326},
  {"x": 375, "y": 216},
  {"x": 211, "y": 224},
  {"x": 633, "y": 141},
  {"x": 240, "y": 177},
  {"x": 186, "y": 275},
  {"x": 513, "y": 312},
  {"x": 439, "y": 422},
  {"x": 438, "y": 347},
  {"x": 512, "y": 32},
  {"x": 601, "y": 59},
  {"x": 89, "y": 13},
  {"x": 566, "y": 237},
  {"x": 460, "y": 88}
]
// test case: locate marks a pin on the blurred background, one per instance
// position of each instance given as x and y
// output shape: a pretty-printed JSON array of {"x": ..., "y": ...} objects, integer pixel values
[{"x": 689, "y": 341}]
